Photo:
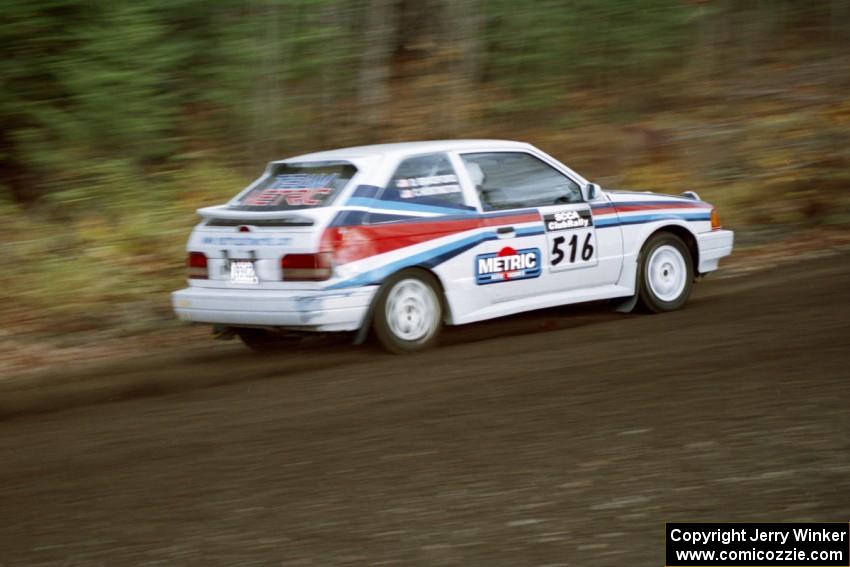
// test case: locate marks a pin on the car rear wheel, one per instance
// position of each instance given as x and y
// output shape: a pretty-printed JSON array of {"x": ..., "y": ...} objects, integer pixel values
[
  {"x": 408, "y": 313},
  {"x": 266, "y": 341},
  {"x": 666, "y": 273}
]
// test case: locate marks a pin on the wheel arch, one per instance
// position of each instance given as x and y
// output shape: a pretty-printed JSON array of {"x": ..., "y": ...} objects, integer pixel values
[
  {"x": 365, "y": 326},
  {"x": 444, "y": 301},
  {"x": 683, "y": 232}
]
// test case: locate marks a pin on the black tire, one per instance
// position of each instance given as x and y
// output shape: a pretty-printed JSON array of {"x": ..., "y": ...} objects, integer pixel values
[
  {"x": 656, "y": 292},
  {"x": 266, "y": 341},
  {"x": 387, "y": 324}
]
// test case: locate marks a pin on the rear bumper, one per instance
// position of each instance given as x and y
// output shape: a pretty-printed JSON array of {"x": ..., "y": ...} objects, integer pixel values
[
  {"x": 713, "y": 246},
  {"x": 342, "y": 310}
]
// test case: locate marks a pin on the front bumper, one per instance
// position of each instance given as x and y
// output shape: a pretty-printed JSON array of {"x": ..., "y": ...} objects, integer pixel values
[
  {"x": 713, "y": 246},
  {"x": 332, "y": 310}
]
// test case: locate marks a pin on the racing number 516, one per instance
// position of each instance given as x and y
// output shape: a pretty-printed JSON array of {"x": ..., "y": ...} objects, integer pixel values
[{"x": 558, "y": 254}]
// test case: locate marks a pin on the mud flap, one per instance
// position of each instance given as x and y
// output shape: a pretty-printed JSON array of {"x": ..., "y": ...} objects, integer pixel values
[
  {"x": 363, "y": 332},
  {"x": 366, "y": 325},
  {"x": 626, "y": 305}
]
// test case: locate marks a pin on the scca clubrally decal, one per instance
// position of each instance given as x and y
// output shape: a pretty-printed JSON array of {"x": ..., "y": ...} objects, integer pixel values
[
  {"x": 507, "y": 265},
  {"x": 566, "y": 220}
]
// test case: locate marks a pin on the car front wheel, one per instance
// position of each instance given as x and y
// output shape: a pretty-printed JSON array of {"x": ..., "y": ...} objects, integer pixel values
[
  {"x": 666, "y": 273},
  {"x": 408, "y": 314}
]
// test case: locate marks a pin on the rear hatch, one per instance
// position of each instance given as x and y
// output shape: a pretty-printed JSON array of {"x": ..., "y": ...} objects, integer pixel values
[{"x": 283, "y": 214}]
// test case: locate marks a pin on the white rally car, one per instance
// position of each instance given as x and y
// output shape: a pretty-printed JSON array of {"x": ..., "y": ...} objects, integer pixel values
[{"x": 403, "y": 238}]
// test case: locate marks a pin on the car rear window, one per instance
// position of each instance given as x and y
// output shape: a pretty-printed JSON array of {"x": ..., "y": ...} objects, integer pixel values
[{"x": 297, "y": 186}]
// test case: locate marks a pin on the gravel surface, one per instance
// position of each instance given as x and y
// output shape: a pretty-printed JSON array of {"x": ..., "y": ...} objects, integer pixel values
[{"x": 563, "y": 437}]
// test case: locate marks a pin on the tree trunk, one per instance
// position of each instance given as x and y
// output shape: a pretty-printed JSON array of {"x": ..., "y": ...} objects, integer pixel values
[
  {"x": 463, "y": 25},
  {"x": 330, "y": 15},
  {"x": 375, "y": 65}
]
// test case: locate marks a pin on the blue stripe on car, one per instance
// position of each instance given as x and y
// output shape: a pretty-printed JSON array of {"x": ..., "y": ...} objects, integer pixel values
[
  {"x": 436, "y": 256},
  {"x": 390, "y": 195},
  {"x": 429, "y": 258},
  {"x": 399, "y": 206},
  {"x": 640, "y": 219}
]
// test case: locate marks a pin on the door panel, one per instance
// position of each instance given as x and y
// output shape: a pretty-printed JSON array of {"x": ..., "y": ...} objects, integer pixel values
[
  {"x": 508, "y": 264},
  {"x": 537, "y": 235}
]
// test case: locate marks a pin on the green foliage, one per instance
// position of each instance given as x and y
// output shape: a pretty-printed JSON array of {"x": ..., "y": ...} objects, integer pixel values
[{"x": 549, "y": 46}]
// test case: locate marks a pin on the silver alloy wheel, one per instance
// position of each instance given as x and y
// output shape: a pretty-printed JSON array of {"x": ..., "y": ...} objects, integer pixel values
[
  {"x": 667, "y": 273},
  {"x": 412, "y": 310}
]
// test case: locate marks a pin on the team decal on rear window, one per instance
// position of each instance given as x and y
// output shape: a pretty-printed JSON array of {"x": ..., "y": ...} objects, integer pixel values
[
  {"x": 507, "y": 265},
  {"x": 413, "y": 187},
  {"x": 294, "y": 189}
]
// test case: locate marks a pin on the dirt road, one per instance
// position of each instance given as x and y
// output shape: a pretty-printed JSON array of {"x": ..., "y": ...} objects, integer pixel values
[{"x": 566, "y": 437}]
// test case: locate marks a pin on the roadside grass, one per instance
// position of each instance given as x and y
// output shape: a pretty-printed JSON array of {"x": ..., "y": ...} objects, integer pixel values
[{"x": 106, "y": 258}]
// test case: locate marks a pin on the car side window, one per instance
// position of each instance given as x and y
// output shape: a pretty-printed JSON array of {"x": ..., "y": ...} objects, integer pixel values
[
  {"x": 510, "y": 180},
  {"x": 428, "y": 179}
]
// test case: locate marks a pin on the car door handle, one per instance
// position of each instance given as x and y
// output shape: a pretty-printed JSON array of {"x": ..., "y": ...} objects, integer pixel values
[{"x": 505, "y": 232}]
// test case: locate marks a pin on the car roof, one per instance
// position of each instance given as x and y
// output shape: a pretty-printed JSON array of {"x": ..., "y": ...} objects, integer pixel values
[{"x": 408, "y": 148}]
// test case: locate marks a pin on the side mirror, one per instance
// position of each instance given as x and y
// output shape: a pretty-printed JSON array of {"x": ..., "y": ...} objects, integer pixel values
[{"x": 593, "y": 191}]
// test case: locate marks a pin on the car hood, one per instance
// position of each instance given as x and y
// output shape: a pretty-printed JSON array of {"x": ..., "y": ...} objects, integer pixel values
[{"x": 629, "y": 196}]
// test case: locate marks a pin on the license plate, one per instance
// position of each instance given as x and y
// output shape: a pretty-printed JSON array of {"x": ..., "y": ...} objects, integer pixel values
[{"x": 243, "y": 273}]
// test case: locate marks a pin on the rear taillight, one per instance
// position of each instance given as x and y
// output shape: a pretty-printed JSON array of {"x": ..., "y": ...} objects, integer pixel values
[
  {"x": 715, "y": 219},
  {"x": 306, "y": 267},
  {"x": 197, "y": 264}
]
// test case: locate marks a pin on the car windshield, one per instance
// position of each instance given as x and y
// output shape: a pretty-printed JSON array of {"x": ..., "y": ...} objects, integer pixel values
[{"x": 291, "y": 186}]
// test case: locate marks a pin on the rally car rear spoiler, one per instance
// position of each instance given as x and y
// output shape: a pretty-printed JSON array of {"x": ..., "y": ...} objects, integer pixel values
[
  {"x": 221, "y": 215},
  {"x": 692, "y": 195}
]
